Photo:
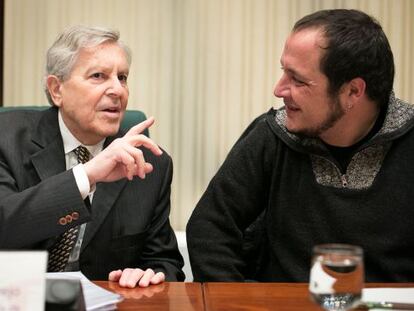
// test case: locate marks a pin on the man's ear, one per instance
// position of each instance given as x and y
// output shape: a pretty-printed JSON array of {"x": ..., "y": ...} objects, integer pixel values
[
  {"x": 356, "y": 88},
  {"x": 54, "y": 87}
]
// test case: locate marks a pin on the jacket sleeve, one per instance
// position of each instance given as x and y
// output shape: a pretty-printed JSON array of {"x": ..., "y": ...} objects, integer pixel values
[
  {"x": 234, "y": 198},
  {"x": 37, "y": 194},
  {"x": 161, "y": 250},
  {"x": 32, "y": 215}
]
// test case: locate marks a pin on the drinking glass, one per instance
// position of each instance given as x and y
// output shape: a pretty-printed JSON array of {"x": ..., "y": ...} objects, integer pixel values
[{"x": 336, "y": 276}]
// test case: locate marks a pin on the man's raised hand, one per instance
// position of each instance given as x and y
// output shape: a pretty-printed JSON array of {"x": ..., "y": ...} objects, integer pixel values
[{"x": 122, "y": 158}]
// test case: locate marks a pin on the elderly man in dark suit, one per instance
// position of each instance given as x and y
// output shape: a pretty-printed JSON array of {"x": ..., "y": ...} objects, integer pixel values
[{"x": 70, "y": 183}]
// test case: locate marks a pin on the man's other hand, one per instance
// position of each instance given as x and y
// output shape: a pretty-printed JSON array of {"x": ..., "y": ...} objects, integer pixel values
[{"x": 136, "y": 277}]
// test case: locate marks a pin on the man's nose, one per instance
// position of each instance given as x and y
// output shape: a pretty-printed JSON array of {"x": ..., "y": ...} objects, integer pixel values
[
  {"x": 115, "y": 88},
  {"x": 282, "y": 87}
]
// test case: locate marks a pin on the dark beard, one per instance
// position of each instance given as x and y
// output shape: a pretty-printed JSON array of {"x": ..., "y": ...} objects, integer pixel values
[{"x": 335, "y": 114}]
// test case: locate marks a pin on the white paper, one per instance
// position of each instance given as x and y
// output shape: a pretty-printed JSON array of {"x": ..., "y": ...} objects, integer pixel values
[
  {"x": 320, "y": 281},
  {"x": 96, "y": 297},
  {"x": 385, "y": 294},
  {"x": 22, "y": 280}
]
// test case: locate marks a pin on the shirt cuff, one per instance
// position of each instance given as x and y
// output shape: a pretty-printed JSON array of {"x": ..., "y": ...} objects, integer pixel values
[{"x": 82, "y": 180}]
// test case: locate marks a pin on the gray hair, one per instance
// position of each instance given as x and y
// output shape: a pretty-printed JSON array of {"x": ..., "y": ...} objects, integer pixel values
[{"x": 62, "y": 55}]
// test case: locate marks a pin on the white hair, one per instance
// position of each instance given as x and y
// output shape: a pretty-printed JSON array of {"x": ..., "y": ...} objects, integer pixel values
[{"x": 62, "y": 55}]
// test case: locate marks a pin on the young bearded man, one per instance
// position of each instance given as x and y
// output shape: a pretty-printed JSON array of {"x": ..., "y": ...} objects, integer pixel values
[{"x": 333, "y": 165}]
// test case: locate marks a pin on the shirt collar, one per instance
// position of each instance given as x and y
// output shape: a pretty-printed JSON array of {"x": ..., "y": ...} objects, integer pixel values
[{"x": 70, "y": 142}]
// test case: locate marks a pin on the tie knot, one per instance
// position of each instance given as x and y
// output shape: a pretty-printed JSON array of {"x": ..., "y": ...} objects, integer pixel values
[{"x": 82, "y": 154}]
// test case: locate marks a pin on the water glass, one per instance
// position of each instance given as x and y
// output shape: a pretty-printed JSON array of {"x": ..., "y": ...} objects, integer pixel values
[{"x": 336, "y": 276}]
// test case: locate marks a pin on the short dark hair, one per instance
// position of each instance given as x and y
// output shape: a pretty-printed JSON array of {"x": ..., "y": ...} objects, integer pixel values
[{"x": 355, "y": 46}]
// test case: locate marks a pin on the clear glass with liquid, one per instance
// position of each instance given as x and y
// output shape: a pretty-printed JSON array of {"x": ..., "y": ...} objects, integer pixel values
[{"x": 336, "y": 276}]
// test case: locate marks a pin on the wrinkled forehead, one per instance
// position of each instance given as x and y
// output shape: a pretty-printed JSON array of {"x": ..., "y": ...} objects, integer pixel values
[{"x": 107, "y": 54}]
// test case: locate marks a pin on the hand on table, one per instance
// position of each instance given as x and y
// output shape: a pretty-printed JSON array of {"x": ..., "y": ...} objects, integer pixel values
[
  {"x": 138, "y": 292},
  {"x": 136, "y": 277}
]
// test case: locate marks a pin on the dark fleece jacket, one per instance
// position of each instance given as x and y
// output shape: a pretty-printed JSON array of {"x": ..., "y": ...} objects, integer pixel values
[{"x": 307, "y": 201}]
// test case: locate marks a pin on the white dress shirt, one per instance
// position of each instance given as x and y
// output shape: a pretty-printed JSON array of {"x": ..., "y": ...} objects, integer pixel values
[{"x": 69, "y": 144}]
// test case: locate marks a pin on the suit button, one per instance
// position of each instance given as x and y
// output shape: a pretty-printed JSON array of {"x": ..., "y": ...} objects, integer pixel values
[
  {"x": 75, "y": 215},
  {"x": 62, "y": 221},
  {"x": 68, "y": 218}
]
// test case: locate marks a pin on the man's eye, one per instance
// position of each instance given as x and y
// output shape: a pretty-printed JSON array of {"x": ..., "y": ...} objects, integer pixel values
[
  {"x": 97, "y": 75},
  {"x": 297, "y": 81},
  {"x": 123, "y": 78}
]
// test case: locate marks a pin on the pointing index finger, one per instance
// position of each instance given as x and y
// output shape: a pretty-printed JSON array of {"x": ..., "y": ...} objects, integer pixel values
[
  {"x": 140, "y": 127},
  {"x": 142, "y": 140}
]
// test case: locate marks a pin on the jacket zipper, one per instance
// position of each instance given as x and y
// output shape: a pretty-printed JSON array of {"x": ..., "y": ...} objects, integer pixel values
[{"x": 344, "y": 181}]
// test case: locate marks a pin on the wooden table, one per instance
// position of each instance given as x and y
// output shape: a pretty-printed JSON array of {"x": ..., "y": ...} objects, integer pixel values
[
  {"x": 166, "y": 296},
  {"x": 221, "y": 296},
  {"x": 257, "y": 296},
  {"x": 266, "y": 296}
]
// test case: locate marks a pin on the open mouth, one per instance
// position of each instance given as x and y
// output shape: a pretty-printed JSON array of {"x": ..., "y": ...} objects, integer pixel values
[
  {"x": 291, "y": 108},
  {"x": 112, "y": 113},
  {"x": 112, "y": 110}
]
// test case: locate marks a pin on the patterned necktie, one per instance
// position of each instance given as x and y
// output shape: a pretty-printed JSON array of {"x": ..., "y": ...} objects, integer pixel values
[{"x": 60, "y": 251}]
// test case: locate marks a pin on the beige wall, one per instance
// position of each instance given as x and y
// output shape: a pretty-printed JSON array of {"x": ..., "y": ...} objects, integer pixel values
[{"x": 203, "y": 68}]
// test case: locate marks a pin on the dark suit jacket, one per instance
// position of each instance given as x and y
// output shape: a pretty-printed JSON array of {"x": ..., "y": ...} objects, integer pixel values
[{"x": 127, "y": 224}]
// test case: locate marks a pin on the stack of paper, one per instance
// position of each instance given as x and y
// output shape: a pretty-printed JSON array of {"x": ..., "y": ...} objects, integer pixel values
[
  {"x": 96, "y": 298},
  {"x": 389, "y": 298}
]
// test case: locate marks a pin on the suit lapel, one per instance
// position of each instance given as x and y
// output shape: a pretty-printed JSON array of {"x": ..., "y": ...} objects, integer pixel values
[
  {"x": 49, "y": 160},
  {"x": 103, "y": 200}
]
